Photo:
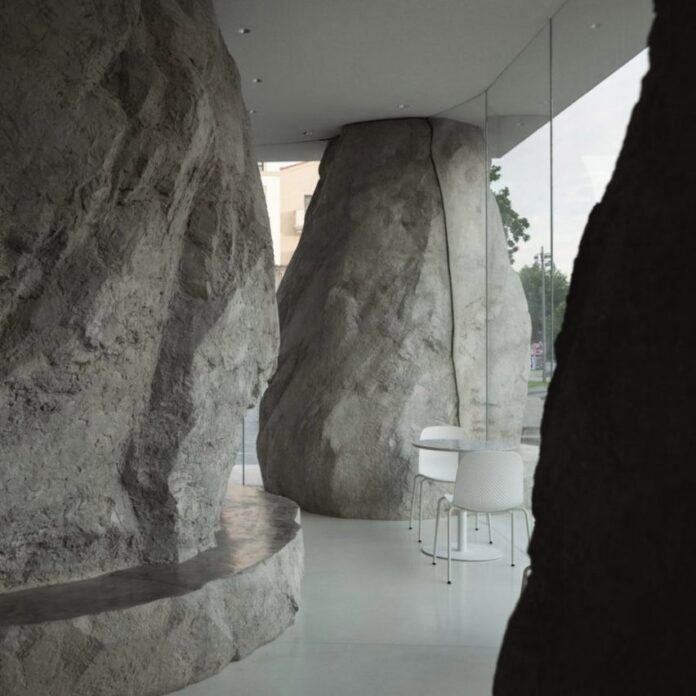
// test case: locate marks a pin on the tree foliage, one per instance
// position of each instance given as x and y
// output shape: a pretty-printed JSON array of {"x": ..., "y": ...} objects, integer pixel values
[
  {"x": 531, "y": 282},
  {"x": 516, "y": 227},
  {"x": 514, "y": 224}
]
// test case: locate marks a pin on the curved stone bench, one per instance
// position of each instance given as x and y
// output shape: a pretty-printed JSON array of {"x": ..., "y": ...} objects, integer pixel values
[{"x": 152, "y": 629}]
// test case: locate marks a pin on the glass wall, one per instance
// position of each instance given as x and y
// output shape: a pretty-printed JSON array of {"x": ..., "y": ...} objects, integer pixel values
[
  {"x": 467, "y": 241},
  {"x": 552, "y": 125},
  {"x": 555, "y": 122},
  {"x": 593, "y": 98},
  {"x": 518, "y": 133}
]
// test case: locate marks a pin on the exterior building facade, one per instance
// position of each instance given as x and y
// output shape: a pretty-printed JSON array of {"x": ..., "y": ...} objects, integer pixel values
[{"x": 288, "y": 188}]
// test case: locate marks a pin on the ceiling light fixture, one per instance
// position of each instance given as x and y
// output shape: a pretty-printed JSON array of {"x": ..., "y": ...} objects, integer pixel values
[
  {"x": 595, "y": 25},
  {"x": 252, "y": 111},
  {"x": 244, "y": 30},
  {"x": 257, "y": 80},
  {"x": 404, "y": 106},
  {"x": 307, "y": 132}
]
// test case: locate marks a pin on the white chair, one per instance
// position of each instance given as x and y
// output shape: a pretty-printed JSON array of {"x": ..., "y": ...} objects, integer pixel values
[
  {"x": 487, "y": 481},
  {"x": 526, "y": 574},
  {"x": 434, "y": 466}
]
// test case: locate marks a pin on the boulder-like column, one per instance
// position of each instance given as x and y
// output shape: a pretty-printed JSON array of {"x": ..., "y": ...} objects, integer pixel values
[
  {"x": 609, "y": 608},
  {"x": 383, "y": 319},
  {"x": 137, "y": 317},
  {"x": 491, "y": 318}
]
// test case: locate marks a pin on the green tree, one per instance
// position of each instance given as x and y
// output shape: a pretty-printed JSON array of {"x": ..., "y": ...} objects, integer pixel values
[
  {"x": 531, "y": 282},
  {"x": 514, "y": 224}
]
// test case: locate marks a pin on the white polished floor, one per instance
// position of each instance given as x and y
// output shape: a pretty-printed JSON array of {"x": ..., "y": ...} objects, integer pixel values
[{"x": 377, "y": 619}]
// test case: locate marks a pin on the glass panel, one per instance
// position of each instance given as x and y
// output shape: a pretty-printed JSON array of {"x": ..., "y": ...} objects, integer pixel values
[
  {"x": 246, "y": 464},
  {"x": 519, "y": 243},
  {"x": 462, "y": 165},
  {"x": 599, "y": 59}
]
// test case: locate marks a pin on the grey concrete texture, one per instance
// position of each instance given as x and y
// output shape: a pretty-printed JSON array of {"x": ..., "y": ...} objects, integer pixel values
[
  {"x": 156, "y": 628},
  {"x": 609, "y": 607},
  {"x": 383, "y": 320},
  {"x": 137, "y": 312}
]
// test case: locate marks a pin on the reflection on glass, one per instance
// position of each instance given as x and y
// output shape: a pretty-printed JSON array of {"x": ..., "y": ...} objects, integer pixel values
[
  {"x": 587, "y": 139},
  {"x": 518, "y": 134},
  {"x": 466, "y": 236},
  {"x": 546, "y": 174},
  {"x": 599, "y": 59}
]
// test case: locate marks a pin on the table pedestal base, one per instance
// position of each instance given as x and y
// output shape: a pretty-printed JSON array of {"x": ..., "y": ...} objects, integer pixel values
[
  {"x": 473, "y": 552},
  {"x": 462, "y": 550}
]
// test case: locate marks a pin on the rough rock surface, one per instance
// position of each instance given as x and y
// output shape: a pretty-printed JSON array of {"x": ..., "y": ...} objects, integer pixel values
[
  {"x": 609, "y": 608},
  {"x": 137, "y": 318},
  {"x": 151, "y": 630},
  {"x": 382, "y": 314},
  {"x": 491, "y": 363}
]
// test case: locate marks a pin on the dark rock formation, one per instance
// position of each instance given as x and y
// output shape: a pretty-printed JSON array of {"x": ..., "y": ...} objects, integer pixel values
[
  {"x": 609, "y": 608},
  {"x": 137, "y": 317},
  {"x": 383, "y": 319}
]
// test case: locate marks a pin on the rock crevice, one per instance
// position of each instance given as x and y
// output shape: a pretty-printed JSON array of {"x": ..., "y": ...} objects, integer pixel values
[
  {"x": 448, "y": 266},
  {"x": 383, "y": 319}
]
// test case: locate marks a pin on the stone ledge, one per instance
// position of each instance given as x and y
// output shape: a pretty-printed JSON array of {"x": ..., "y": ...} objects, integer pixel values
[{"x": 153, "y": 629}]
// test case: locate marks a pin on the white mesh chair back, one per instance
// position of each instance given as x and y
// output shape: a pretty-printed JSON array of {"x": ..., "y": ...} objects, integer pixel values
[
  {"x": 441, "y": 466},
  {"x": 490, "y": 481}
]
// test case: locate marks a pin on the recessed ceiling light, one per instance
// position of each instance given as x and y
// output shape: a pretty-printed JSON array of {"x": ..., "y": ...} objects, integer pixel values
[
  {"x": 256, "y": 80},
  {"x": 307, "y": 132},
  {"x": 243, "y": 30},
  {"x": 252, "y": 111},
  {"x": 518, "y": 124},
  {"x": 595, "y": 25},
  {"x": 404, "y": 106}
]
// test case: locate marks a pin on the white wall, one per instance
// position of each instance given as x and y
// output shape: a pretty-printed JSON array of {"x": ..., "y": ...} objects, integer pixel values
[{"x": 271, "y": 190}]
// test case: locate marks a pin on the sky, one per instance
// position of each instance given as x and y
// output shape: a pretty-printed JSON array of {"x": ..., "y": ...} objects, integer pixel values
[{"x": 587, "y": 140}]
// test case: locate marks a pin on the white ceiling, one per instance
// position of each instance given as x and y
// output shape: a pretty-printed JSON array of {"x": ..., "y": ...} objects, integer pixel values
[
  {"x": 588, "y": 41},
  {"x": 326, "y": 63}
]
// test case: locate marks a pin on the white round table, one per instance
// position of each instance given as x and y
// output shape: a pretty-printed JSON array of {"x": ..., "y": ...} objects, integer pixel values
[{"x": 462, "y": 550}]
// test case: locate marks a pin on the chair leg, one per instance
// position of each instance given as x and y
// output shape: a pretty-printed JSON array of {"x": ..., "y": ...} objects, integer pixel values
[
  {"x": 490, "y": 536},
  {"x": 437, "y": 525},
  {"x": 525, "y": 577},
  {"x": 420, "y": 510},
  {"x": 527, "y": 524},
  {"x": 449, "y": 544},
  {"x": 512, "y": 539},
  {"x": 413, "y": 499},
  {"x": 476, "y": 522}
]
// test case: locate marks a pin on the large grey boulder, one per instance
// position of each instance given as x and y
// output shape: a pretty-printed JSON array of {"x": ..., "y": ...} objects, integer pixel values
[
  {"x": 609, "y": 608},
  {"x": 491, "y": 318},
  {"x": 137, "y": 318},
  {"x": 153, "y": 629},
  {"x": 383, "y": 319}
]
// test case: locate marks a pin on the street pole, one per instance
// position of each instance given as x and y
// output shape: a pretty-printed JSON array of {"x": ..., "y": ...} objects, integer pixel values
[{"x": 543, "y": 314}]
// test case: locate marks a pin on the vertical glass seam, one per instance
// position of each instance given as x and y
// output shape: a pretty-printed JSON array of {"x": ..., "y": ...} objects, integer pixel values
[
  {"x": 487, "y": 185},
  {"x": 552, "y": 351}
]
